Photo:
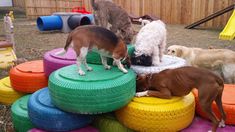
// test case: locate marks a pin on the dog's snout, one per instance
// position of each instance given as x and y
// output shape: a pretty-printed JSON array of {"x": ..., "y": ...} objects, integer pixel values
[{"x": 170, "y": 52}]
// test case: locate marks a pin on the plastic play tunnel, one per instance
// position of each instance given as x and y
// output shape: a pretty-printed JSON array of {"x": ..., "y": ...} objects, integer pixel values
[
  {"x": 46, "y": 23},
  {"x": 78, "y": 20}
]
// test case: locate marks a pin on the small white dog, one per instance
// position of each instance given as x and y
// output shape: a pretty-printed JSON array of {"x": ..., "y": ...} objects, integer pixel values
[
  {"x": 220, "y": 61},
  {"x": 150, "y": 44}
]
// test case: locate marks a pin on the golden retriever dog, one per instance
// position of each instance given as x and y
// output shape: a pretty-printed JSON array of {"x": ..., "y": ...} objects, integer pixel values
[{"x": 220, "y": 61}]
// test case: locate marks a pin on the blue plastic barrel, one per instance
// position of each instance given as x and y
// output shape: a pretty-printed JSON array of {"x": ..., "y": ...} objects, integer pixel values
[
  {"x": 90, "y": 16},
  {"x": 46, "y": 23},
  {"x": 78, "y": 20}
]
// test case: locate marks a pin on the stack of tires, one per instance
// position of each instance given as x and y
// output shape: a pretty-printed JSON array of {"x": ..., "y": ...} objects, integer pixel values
[
  {"x": 59, "y": 99},
  {"x": 24, "y": 79},
  {"x": 155, "y": 114},
  {"x": 35, "y": 110},
  {"x": 70, "y": 102},
  {"x": 99, "y": 91}
]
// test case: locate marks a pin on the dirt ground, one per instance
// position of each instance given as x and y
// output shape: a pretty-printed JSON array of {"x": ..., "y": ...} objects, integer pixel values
[{"x": 32, "y": 44}]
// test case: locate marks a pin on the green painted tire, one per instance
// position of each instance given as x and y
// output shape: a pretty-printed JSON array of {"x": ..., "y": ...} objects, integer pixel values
[
  {"x": 19, "y": 114},
  {"x": 99, "y": 91},
  {"x": 94, "y": 58},
  {"x": 109, "y": 123}
]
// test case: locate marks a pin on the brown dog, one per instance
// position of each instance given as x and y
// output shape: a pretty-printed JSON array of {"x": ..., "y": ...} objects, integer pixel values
[
  {"x": 103, "y": 41},
  {"x": 180, "y": 82}
]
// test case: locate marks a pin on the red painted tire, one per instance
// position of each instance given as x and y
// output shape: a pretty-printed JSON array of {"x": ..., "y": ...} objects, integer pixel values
[
  {"x": 228, "y": 100},
  {"x": 28, "y": 77}
]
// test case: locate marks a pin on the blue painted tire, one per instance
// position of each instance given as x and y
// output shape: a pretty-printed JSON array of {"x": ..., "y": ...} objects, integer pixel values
[{"x": 43, "y": 114}]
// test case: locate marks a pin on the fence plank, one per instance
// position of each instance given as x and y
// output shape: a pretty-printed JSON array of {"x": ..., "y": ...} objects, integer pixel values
[{"x": 170, "y": 11}]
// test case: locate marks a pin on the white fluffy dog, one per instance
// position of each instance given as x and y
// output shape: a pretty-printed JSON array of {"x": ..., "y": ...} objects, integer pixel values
[
  {"x": 150, "y": 44},
  {"x": 220, "y": 61}
]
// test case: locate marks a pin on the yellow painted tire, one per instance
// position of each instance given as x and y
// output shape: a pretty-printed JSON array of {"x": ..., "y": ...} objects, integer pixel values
[
  {"x": 151, "y": 114},
  {"x": 7, "y": 94}
]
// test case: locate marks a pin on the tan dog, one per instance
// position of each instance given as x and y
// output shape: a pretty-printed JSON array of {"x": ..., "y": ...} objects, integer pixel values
[
  {"x": 220, "y": 61},
  {"x": 89, "y": 37},
  {"x": 180, "y": 82}
]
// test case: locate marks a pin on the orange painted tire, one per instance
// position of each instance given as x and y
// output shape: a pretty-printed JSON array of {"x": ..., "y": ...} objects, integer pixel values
[
  {"x": 228, "y": 100},
  {"x": 28, "y": 77}
]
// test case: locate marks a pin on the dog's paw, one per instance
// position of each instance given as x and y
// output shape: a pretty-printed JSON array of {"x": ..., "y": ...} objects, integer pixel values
[
  {"x": 89, "y": 69},
  {"x": 107, "y": 67},
  {"x": 141, "y": 94},
  {"x": 222, "y": 123},
  {"x": 124, "y": 71},
  {"x": 114, "y": 63},
  {"x": 81, "y": 72}
]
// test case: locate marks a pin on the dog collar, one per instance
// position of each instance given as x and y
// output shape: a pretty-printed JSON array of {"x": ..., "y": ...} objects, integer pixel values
[{"x": 149, "y": 77}]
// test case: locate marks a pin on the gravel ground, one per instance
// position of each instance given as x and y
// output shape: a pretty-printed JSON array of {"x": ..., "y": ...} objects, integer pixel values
[{"x": 32, "y": 44}]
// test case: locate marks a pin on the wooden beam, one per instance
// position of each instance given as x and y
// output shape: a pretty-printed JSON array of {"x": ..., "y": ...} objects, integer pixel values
[{"x": 214, "y": 15}]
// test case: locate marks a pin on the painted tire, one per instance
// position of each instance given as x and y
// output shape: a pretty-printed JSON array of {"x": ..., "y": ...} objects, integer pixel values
[
  {"x": 7, "y": 94},
  {"x": 28, "y": 77},
  {"x": 228, "y": 101},
  {"x": 202, "y": 125},
  {"x": 109, "y": 123},
  {"x": 52, "y": 62},
  {"x": 154, "y": 114},
  {"x": 169, "y": 62},
  {"x": 93, "y": 57},
  {"x": 19, "y": 115},
  {"x": 85, "y": 129},
  {"x": 43, "y": 114},
  {"x": 99, "y": 91}
]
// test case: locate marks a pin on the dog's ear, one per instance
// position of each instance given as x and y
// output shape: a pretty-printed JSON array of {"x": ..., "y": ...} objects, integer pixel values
[
  {"x": 179, "y": 52},
  {"x": 210, "y": 47},
  {"x": 138, "y": 77},
  {"x": 135, "y": 32},
  {"x": 141, "y": 77}
]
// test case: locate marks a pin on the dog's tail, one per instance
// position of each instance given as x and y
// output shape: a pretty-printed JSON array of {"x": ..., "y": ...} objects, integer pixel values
[
  {"x": 68, "y": 42},
  {"x": 94, "y": 5},
  {"x": 218, "y": 101},
  {"x": 220, "y": 82}
]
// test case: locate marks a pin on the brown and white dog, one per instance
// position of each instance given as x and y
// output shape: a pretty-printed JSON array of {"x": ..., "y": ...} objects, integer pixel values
[
  {"x": 89, "y": 37},
  {"x": 220, "y": 61},
  {"x": 180, "y": 82}
]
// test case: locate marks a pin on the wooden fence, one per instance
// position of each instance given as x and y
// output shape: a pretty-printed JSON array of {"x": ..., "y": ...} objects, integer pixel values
[
  {"x": 179, "y": 11},
  {"x": 170, "y": 11},
  {"x": 36, "y": 8},
  {"x": 19, "y": 3}
]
